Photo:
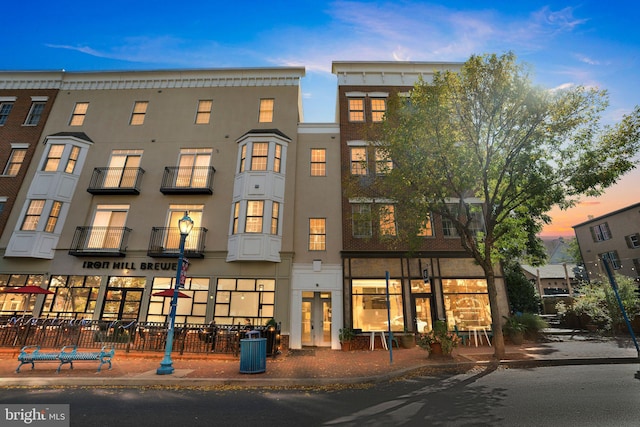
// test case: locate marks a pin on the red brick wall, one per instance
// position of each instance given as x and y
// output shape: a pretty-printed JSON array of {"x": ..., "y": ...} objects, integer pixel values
[{"x": 14, "y": 131}]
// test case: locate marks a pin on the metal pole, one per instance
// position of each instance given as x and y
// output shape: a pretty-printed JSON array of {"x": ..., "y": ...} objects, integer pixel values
[
  {"x": 614, "y": 285},
  {"x": 166, "y": 366},
  {"x": 389, "y": 346}
]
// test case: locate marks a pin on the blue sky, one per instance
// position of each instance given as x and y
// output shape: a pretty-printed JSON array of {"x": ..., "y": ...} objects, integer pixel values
[{"x": 581, "y": 42}]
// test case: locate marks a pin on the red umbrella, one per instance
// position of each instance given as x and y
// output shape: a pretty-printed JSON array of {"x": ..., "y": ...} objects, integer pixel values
[
  {"x": 30, "y": 289},
  {"x": 169, "y": 293}
]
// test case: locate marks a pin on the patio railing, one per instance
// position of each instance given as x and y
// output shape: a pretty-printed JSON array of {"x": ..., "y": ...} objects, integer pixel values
[{"x": 129, "y": 336}]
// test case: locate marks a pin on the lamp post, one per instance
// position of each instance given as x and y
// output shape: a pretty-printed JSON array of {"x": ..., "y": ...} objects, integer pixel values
[{"x": 166, "y": 366}]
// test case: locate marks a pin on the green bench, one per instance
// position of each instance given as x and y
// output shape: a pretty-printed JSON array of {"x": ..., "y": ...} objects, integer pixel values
[{"x": 68, "y": 354}]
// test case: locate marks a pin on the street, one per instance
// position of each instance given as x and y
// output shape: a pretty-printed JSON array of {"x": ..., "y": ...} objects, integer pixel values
[{"x": 602, "y": 395}]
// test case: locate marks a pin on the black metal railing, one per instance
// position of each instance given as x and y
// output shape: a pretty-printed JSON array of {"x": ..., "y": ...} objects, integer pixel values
[
  {"x": 165, "y": 242},
  {"x": 116, "y": 181},
  {"x": 192, "y": 180},
  {"x": 130, "y": 335},
  {"x": 100, "y": 241}
]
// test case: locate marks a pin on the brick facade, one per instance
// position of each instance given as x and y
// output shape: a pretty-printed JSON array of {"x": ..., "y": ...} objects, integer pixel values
[{"x": 14, "y": 131}]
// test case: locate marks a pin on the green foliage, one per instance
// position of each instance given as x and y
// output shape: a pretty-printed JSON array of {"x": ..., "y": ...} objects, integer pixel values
[
  {"x": 513, "y": 325},
  {"x": 488, "y": 134},
  {"x": 520, "y": 291},
  {"x": 346, "y": 334},
  {"x": 598, "y": 301},
  {"x": 533, "y": 323}
]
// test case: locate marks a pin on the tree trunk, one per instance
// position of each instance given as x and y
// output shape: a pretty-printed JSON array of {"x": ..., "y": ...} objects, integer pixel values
[{"x": 496, "y": 316}]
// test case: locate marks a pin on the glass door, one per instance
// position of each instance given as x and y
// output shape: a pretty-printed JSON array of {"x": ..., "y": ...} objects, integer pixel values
[
  {"x": 423, "y": 319},
  {"x": 316, "y": 319}
]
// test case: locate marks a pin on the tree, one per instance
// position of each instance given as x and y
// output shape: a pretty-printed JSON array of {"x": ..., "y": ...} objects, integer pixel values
[
  {"x": 491, "y": 154},
  {"x": 521, "y": 292}
]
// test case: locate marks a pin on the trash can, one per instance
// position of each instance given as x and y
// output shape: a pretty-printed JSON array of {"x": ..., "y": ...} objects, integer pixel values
[{"x": 253, "y": 354}]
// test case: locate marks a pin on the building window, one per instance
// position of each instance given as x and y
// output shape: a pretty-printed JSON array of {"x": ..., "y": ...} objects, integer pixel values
[
  {"x": 612, "y": 258},
  {"x": 475, "y": 223},
  {"x": 33, "y": 118},
  {"x": 600, "y": 232},
  {"x": 193, "y": 168},
  {"x": 378, "y": 108},
  {"x": 426, "y": 228},
  {"x": 356, "y": 109},
  {"x": 236, "y": 217},
  {"x": 277, "y": 160},
  {"x": 361, "y": 219},
  {"x": 16, "y": 158},
  {"x": 9, "y": 304},
  {"x": 79, "y": 113},
  {"x": 266, "y": 110},
  {"x": 242, "y": 300},
  {"x": 243, "y": 157},
  {"x": 5, "y": 109},
  {"x": 255, "y": 211},
  {"x": 123, "y": 169},
  {"x": 466, "y": 303},
  {"x": 107, "y": 228},
  {"x": 387, "y": 220},
  {"x": 358, "y": 160},
  {"x": 54, "y": 214},
  {"x": 139, "y": 111},
  {"x": 73, "y": 159},
  {"x": 31, "y": 218},
  {"x": 188, "y": 310},
  {"x": 318, "y": 162},
  {"x": 383, "y": 161},
  {"x": 176, "y": 212},
  {"x": 259, "y": 156},
  {"x": 275, "y": 213},
  {"x": 317, "y": 234},
  {"x": 73, "y": 296},
  {"x": 369, "y": 302},
  {"x": 633, "y": 240},
  {"x": 203, "y": 115},
  {"x": 53, "y": 158}
]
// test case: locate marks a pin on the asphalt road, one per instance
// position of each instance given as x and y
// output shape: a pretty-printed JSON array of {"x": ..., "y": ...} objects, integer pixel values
[{"x": 602, "y": 395}]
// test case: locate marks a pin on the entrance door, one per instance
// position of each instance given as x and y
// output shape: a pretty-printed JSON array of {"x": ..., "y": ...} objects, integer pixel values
[
  {"x": 316, "y": 319},
  {"x": 423, "y": 319}
]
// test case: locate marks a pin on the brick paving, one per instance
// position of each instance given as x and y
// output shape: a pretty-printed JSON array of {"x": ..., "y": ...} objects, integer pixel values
[{"x": 299, "y": 367}]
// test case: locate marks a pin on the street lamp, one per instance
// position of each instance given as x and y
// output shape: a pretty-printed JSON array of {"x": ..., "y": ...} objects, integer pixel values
[{"x": 166, "y": 366}]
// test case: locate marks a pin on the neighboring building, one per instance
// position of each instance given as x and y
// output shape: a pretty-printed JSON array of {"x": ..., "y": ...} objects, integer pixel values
[
  {"x": 614, "y": 236},
  {"x": 25, "y": 103},
  {"x": 552, "y": 279},
  {"x": 456, "y": 289},
  {"x": 125, "y": 154}
]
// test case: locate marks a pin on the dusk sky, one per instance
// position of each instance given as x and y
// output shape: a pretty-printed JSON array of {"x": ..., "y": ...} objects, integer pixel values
[{"x": 581, "y": 42}]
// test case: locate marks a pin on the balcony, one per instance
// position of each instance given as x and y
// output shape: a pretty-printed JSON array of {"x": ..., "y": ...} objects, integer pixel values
[
  {"x": 115, "y": 181},
  {"x": 100, "y": 241},
  {"x": 193, "y": 180},
  {"x": 165, "y": 242}
]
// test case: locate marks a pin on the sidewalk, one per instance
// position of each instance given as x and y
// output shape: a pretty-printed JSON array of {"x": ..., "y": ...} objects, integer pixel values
[{"x": 309, "y": 367}]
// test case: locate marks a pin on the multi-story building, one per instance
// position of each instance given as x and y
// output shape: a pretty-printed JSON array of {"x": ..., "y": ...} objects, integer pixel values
[
  {"x": 25, "y": 102},
  {"x": 438, "y": 281},
  {"x": 124, "y": 155},
  {"x": 615, "y": 237}
]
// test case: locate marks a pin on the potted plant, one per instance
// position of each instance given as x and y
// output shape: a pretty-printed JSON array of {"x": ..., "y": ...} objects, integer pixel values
[
  {"x": 439, "y": 340},
  {"x": 408, "y": 339},
  {"x": 346, "y": 336},
  {"x": 514, "y": 329}
]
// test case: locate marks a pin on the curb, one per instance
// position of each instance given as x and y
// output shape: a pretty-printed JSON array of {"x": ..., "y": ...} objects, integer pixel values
[{"x": 253, "y": 382}]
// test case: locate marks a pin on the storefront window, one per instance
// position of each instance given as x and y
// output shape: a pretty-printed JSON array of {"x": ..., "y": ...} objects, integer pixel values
[
  {"x": 74, "y": 297},
  {"x": 466, "y": 303},
  {"x": 188, "y": 310},
  {"x": 369, "y": 301},
  {"x": 240, "y": 299},
  {"x": 18, "y": 304}
]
